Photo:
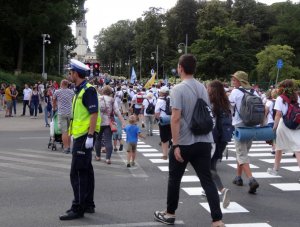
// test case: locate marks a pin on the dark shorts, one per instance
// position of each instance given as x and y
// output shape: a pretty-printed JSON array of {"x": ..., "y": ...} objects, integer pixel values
[
  {"x": 165, "y": 133},
  {"x": 137, "y": 111}
]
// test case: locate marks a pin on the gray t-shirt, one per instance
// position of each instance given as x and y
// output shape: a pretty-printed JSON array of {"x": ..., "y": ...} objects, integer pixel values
[{"x": 184, "y": 97}]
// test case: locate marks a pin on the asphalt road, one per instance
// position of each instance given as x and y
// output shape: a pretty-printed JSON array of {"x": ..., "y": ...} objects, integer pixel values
[{"x": 35, "y": 187}]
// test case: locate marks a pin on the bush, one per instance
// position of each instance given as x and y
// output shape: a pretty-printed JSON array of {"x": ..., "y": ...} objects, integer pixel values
[{"x": 24, "y": 78}]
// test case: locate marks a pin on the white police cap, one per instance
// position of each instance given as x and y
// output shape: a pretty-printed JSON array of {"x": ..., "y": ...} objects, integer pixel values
[{"x": 78, "y": 67}]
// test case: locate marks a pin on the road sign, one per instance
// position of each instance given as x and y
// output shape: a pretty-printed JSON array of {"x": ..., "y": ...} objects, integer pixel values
[{"x": 279, "y": 63}]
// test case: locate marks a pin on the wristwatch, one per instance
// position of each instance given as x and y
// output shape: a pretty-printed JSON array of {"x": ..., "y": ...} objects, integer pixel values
[
  {"x": 90, "y": 136},
  {"x": 175, "y": 146}
]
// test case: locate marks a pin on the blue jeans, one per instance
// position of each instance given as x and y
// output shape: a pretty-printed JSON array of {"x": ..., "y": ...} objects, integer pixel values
[
  {"x": 106, "y": 134},
  {"x": 34, "y": 106},
  {"x": 14, "y": 106},
  {"x": 46, "y": 111}
]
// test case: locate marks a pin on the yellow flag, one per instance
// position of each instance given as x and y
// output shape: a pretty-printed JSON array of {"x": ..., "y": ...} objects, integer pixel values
[{"x": 150, "y": 82}]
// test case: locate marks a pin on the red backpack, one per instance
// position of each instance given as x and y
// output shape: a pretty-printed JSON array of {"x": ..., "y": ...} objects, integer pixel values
[
  {"x": 292, "y": 117},
  {"x": 139, "y": 98}
]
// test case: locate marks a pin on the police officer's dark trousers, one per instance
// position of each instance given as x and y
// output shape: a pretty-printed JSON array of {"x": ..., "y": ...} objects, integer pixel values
[{"x": 82, "y": 176}]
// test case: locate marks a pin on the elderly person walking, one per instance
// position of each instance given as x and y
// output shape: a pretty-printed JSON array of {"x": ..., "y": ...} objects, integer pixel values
[{"x": 108, "y": 107}]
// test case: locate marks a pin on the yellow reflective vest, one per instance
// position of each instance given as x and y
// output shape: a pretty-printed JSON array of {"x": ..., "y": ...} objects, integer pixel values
[{"x": 80, "y": 122}]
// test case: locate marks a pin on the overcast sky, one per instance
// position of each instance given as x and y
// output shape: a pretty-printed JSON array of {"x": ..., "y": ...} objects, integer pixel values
[{"x": 103, "y": 13}]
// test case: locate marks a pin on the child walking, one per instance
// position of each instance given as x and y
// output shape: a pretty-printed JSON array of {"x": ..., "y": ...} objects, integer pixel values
[{"x": 132, "y": 133}]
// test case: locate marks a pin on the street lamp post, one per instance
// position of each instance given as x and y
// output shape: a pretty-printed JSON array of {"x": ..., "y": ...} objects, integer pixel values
[
  {"x": 46, "y": 38},
  {"x": 183, "y": 45},
  {"x": 155, "y": 52}
]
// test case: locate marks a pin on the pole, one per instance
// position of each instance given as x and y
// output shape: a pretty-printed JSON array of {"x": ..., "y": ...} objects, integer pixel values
[
  {"x": 43, "y": 73},
  {"x": 277, "y": 76},
  {"x": 186, "y": 43},
  {"x": 140, "y": 64},
  {"x": 129, "y": 67},
  {"x": 59, "y": 58},
  {"x": 157, "y": 62}
]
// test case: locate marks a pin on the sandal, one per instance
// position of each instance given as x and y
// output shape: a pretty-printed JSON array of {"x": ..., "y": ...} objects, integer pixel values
[{"x": 97, "y": 158}]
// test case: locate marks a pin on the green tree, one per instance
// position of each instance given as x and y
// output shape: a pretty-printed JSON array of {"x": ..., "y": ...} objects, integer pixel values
[
  {"x": 287, "y": 30},
  {"x": 114, "y": 44},
  {"x": 267, "y": 58},
  {"x": 223, "y": 52},
  {"x": 23, "y": 22}
]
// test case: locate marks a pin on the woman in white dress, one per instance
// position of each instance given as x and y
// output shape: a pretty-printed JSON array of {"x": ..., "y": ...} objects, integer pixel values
[{"x": 287, "y": 140}]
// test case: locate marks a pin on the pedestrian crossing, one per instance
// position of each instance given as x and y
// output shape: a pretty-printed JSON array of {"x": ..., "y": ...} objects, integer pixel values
[
  {"x": 44, "y": 163},
  {"x": 259, "y": 150}
]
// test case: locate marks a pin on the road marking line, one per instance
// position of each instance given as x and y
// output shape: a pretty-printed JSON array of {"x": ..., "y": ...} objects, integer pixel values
[
  {"x": 284, "y": 160},
  {"x": 287, "y": 186},
  {"x": 249, "y": 225},
  {"x": 140, "y": 224},
  {"x": 251, "y": 166},
  {"x": 232, "y": 208},
  {"x": 159, "y": 161},
  {"x": 34, "y": 137}
]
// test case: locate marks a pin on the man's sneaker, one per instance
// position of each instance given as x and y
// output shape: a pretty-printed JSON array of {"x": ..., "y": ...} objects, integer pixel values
[
  {"x": 165, "y": 218},
  {"x": 121, "y": 147},
  {"x": 132, "y": 163},
  {"x": 128, "y": 165},
  {"x": 226, "y": 197},
  {"x": 143, "y": 125},
  {"x": 272, "y": 171},
  {"x": 273, "y": 152},
  {"x": 238, "y": 181},
  {"x": 253, "y": 185},
  {"x": 115, "y": 149}
]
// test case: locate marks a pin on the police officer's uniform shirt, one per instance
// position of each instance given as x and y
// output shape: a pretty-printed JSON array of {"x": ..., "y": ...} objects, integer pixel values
[{"x": 89, "y": 98}]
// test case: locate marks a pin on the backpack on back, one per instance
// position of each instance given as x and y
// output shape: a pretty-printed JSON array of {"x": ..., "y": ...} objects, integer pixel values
[
  {"x": 139, "y": 98},
  {"x": 252, "y": 110},
  {"x": 292, "y": 117},
  {"x": 202, "y": 121},
  {"x": 150, "y": 108},
  {"x": 225, "y": 128},
  {"x": 168, "y": 109}
]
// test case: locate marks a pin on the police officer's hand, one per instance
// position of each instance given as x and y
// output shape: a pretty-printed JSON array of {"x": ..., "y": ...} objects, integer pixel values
[{"x": 89, "y": 143}]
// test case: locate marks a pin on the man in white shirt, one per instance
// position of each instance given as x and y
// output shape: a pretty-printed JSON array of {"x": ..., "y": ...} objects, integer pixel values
[
  {"x": 26, "y": 97},
  {"x": 240, "y": 80}
]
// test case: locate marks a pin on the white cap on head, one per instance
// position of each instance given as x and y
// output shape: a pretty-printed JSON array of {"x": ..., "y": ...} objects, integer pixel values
[{"x": 164, "y": 89}]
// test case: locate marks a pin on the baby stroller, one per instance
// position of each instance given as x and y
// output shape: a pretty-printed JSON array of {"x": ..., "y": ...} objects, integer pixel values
[{"x": 55, "y": 133}]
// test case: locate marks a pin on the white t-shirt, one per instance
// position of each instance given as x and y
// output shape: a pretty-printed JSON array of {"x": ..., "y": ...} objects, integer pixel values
[
  {"x": 235, "y": 99},
  {"x": 146, "y": 104},
  {"x": 160, "y": 107},
  {"x": 27, "y": 93},
  {"x": 279, "y": 105},
  {"x": 270, "y": 106}
]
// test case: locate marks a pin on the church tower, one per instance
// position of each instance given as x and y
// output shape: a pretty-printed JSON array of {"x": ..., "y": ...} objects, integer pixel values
[{"x": 81, "y": 38}]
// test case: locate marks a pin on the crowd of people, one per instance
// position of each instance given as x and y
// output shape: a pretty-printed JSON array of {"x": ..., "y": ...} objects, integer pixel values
[{"x": 171, "y": 107}]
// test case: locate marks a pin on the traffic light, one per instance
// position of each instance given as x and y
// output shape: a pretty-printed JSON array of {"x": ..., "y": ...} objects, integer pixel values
[{"x": 96, "y": 69}]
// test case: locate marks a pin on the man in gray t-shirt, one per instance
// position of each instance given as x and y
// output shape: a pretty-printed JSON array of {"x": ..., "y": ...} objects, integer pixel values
[
  {"x": 62, "y": 101},
  {"x": 188, "y": 147}
]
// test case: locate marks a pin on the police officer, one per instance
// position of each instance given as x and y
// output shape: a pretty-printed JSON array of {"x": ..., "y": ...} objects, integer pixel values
[{"x": 85, "y": 122}]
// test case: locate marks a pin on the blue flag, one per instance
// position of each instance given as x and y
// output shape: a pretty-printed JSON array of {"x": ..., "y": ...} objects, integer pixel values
[{"x": 133, "y": 76}]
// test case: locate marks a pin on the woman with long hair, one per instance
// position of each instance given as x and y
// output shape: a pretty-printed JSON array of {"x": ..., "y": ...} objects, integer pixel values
[
  {"x": 286, "y": 139},
  {"x": 220, "y": 107}
]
